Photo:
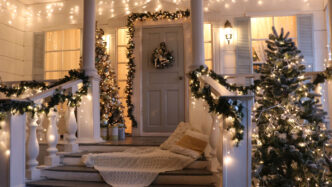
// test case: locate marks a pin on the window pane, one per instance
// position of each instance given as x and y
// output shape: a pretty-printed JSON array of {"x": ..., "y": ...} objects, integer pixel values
[
  {"x": 208, "y": 63},
  {"x": 207, "y": 32},
  {"x": 208, "y": 50},
  {"x": 53, "y": 61},
  {"x": 288, "y": 23},
  {"x": 53, "y": 75},
  {"x": 71, "y": 60},
  {"x": 72, "y": 39},
  {"x": 258, "y": 51},
  {"x": 128, "y": 125},
  {"x": 122, "y": 71},
  {"x": 123, "y": 36},
  {"x": 54, "y": 40},
  {"x": 122, "y": 85},
  {"x": 261, "y": 27},
  {"x": 122, "y": 54}
]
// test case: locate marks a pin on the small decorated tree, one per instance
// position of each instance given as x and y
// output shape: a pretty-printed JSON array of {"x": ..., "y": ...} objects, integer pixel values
[
  {"x": 111, "y": 109},
  {"x": 291, "y": 135}
]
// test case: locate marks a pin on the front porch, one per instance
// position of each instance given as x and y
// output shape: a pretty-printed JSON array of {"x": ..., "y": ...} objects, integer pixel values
[{"x": 214, "y": 84}]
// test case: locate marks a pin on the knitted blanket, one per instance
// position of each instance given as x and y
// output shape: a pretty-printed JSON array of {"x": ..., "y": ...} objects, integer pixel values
[{"x": 135, "y": 167}]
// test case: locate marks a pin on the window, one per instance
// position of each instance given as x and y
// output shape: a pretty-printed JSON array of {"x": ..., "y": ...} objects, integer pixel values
[
  {"x": 62, "y": 52},
  {"x": 122, "y": 71},
  {"x": 208, "y": 45},
  {"x": 260, "y": 30}
]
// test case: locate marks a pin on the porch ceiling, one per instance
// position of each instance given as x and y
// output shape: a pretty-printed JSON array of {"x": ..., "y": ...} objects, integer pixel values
[{"x": 214, "y": 6}]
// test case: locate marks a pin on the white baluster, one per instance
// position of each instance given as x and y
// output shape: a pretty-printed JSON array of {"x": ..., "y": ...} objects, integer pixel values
[
  {"x": 52, "y": 139},
  {"x": 213, "y": 141},
  {"x": 71, "y": 127},
  {"x": 33, "y": 151}
]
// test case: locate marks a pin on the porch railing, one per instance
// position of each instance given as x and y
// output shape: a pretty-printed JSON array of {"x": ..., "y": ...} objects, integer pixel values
[{"x": 37, "y": 134}]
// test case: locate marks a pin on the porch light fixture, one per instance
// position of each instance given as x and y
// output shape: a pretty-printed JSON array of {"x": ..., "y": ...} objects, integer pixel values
[{"x": 228, "y": 30}]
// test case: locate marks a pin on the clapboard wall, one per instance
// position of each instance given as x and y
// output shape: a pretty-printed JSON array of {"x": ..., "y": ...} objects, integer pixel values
[{"x": 15, "y": 45}]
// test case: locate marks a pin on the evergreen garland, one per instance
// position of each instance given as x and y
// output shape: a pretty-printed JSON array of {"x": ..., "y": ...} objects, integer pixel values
[
  {"x": 221, "y": 105},
  {"x": 131, "y": 47},
  {"x": 60, "y": 96}
]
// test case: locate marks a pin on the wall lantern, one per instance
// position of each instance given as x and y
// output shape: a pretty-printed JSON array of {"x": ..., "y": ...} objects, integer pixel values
[{"x": 228, "y": 31}]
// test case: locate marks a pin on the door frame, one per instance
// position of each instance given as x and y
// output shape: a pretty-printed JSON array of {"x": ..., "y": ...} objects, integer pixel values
[{"x": 138, "y": 81}]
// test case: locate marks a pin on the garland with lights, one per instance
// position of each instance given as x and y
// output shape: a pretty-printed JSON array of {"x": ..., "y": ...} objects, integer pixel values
[
  {"x": 59, "y": 97},
  {"x": 221, "y": 105},
  {"x": 131, "y": 47},
  {"x": 161, "y": 57}
]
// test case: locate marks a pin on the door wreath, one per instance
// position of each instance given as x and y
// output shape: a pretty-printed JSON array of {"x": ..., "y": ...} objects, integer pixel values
[{"x": 162, "y": 58}]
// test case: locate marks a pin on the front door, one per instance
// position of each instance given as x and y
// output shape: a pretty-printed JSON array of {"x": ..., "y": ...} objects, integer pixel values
[{"x": 163, "y": 89}]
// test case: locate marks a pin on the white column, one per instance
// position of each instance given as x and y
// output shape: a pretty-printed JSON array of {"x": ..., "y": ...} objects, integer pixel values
[
  {"x": 329, "y": 64},
  {"x": 89, "y": 27},
  {"x": 197, "y": 22},
  {"x": 88, "y": 114}
]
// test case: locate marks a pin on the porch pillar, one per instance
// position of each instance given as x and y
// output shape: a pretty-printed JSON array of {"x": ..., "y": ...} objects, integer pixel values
[
  {"x": 88, "y": 114},
  {"x": 197, "y": 33},
  {"x": 329, "y": 63}
]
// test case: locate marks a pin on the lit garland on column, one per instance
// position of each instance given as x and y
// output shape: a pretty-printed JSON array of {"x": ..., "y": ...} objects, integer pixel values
[
  {"x": 222, "y": 106},
  {"x": 291, "y": 135},
  {"x": 111, "y": 109},
  {"x": 60, "y": 96},
  {"x": 131, "y": 47}
]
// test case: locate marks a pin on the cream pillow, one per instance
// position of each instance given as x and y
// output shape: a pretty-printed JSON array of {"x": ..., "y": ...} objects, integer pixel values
[
  {"x": 176, "y": 135},
  {"x": 192, "y": 144}
]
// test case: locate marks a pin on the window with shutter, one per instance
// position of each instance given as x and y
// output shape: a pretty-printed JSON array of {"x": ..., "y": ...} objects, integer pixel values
[{"x": 261, "y": 27}]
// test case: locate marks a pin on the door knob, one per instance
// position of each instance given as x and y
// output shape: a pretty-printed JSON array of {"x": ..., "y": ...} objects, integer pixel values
[{"x": 180, "y": 78}]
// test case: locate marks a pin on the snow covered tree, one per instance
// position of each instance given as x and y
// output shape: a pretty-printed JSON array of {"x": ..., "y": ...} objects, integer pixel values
[
  {"x": 290, "y": 136},
  {"x": 111, "y": 109}
]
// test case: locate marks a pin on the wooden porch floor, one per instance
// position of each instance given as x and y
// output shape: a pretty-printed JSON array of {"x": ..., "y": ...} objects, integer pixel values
[{"x": 133, "y": 141}]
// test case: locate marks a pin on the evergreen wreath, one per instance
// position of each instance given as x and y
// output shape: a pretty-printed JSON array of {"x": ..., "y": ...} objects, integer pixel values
[{"x": 161, "y": 57}]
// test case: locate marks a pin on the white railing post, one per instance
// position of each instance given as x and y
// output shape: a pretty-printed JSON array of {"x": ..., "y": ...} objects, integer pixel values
[
  {"x": 71, "y": 128},
  {"x": 52, "y": 139},
  {"x": 33, "y": 150},
  {"x": 214, "y": 142}
]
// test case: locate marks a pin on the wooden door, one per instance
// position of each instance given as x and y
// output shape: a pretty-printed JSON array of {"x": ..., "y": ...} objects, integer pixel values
[{"x": 163, "y": 89}]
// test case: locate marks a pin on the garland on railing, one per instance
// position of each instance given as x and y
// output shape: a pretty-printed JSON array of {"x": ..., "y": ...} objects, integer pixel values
[
  {"x": 222, "y": 106},
  {"x": 60, "y": 96},
  {"x": 131, "y": 47},
  {"x": 230, "y": 108}
]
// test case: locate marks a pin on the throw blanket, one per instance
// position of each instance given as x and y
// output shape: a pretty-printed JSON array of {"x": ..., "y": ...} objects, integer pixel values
[{"x": 135, "y": 167}]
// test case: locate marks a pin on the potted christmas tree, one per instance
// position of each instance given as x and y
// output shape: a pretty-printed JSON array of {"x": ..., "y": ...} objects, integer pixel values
[{"x": 111, "y": 109}]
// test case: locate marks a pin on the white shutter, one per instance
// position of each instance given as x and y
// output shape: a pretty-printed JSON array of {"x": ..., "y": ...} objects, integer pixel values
[
  {"x": 38, "y": 56},
  {"x": 243, "y": 48},
  {"x": 305, "y": 39}
]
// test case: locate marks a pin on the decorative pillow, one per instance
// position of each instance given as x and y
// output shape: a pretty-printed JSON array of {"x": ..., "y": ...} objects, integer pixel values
[
  {"x": 176, "y": 135},
  {"x": 192, "y": 144}
]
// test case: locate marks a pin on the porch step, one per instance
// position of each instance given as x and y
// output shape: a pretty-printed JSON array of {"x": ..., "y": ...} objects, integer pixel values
[
  {"x": 59, "y": 183},
  {"x": 80, "y": 173},
  {"x": 74, "y": 159}
]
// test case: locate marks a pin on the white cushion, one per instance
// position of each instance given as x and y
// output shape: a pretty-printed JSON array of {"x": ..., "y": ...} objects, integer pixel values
[{"x": 176, "y": 135}]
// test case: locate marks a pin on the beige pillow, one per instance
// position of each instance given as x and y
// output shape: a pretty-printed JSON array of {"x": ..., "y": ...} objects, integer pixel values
[
  {"x": 192, "y": 144},
  {"x": 176, "y": 135}
]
